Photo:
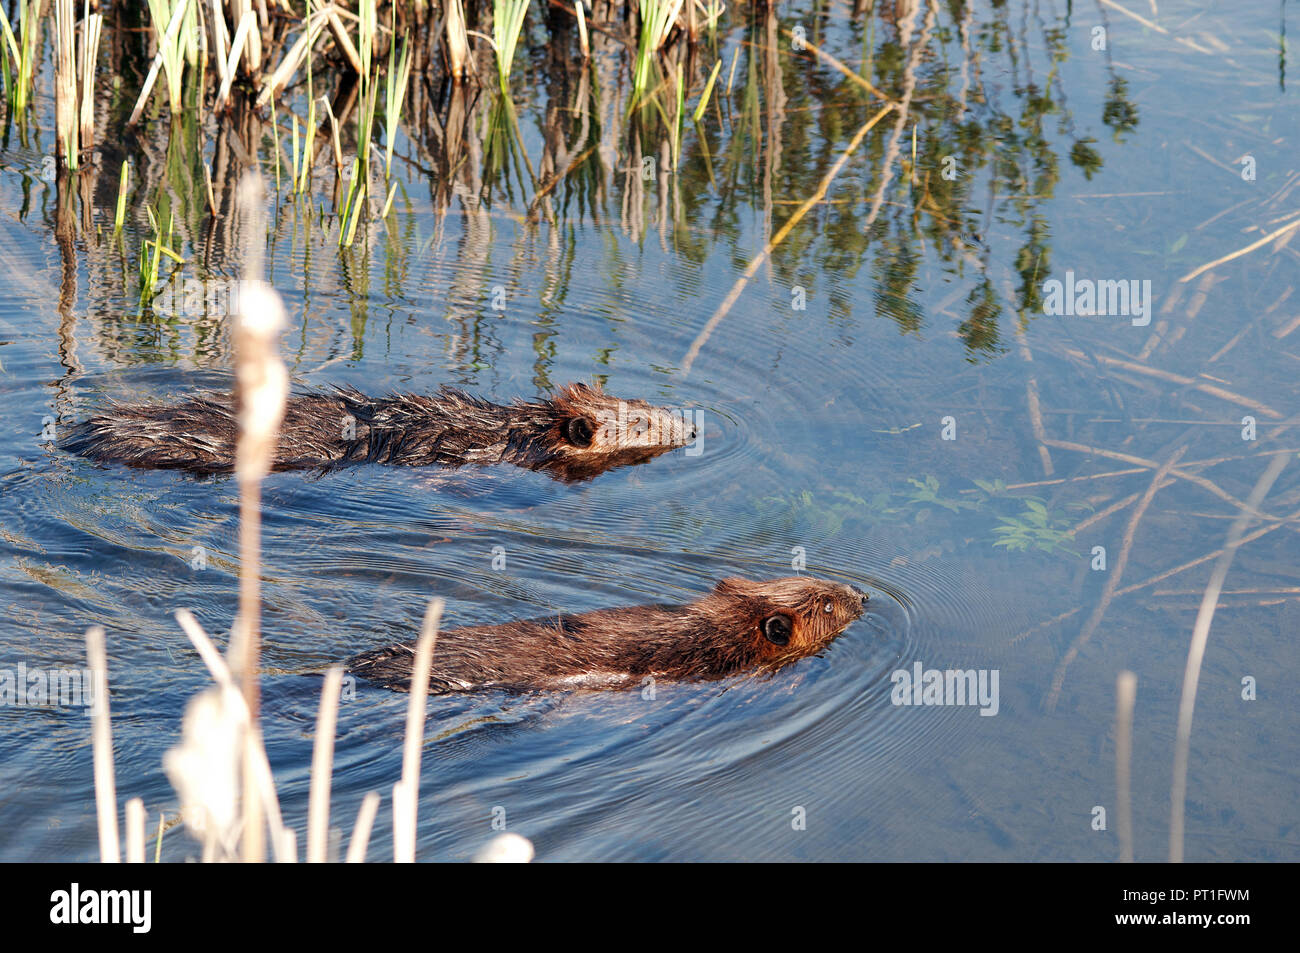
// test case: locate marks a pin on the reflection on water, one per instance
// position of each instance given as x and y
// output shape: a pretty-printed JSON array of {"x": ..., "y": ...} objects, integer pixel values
[{"x": 888, "y": 400}]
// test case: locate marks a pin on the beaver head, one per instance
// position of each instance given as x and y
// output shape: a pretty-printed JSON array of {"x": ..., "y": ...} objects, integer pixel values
[
  {"x": 581, "y": 432},
  {"x": 778, "y": 621}
]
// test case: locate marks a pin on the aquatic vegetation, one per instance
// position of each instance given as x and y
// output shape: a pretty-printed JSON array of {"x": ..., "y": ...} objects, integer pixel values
[
  {"x": 657, "y": 20},
  {"x": 399, "y": 71},
  {"x": 174, "y": 29},
  {"x": 507, "y": 22},
  {"x": 1035, "y": 528},
  {"x": 119, "y": 216},
  {"x": 20, "y": 53}
]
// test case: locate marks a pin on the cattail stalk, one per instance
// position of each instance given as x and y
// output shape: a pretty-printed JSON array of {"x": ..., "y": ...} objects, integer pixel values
[
  {"x": 406, "y": 792},
  {"x": 102, "y": 734},
  {"x": 322, "y": 762}
]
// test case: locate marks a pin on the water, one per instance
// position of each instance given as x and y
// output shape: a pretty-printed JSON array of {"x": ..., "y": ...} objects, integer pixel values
[{"x": 823, "y": 440}]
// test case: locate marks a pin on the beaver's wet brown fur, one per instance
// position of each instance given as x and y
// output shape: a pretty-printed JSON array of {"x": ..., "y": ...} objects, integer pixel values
[
  {"x": 739, "y": 627},
  {"x": 575, "y": 434}
]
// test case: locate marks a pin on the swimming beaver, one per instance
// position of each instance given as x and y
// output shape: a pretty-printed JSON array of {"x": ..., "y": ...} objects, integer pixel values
[
  {"x": 739, "y": 627},
  {"x": 575, "y": 434}
]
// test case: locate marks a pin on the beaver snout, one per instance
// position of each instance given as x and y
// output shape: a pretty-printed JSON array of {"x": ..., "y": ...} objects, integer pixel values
[{"x": 857, "y": 600}]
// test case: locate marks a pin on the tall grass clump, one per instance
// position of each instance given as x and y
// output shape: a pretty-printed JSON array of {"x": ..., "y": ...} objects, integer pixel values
[
  {"x": 657, "y": 19},
  {"x": 174, "y": 28},
  {"x": 359, "y": 186},
  {"x": 20, "y": 53},
  {"x": 399, "y": 72},
  {"x": 507, "y": 24}
]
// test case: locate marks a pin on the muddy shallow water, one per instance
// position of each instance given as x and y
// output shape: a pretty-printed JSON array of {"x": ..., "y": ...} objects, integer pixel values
[{"x": 869, "y": 405}]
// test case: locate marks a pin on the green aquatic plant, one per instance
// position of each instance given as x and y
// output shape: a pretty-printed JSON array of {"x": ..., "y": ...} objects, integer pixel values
[
  {"x": 657, "y": 19},
  {"x": 507, "y": 23},
  {"x": 399, "y": 72},
  {"x": 152, "y": 253},
  {"x": 120, "y": 215},
  {"x": 20, "y": 53},
  {"x": 708, "y": 91},
  {"x": 1035, "y": 528},
  {"x": 175, "y": 30},
  {"x": 925, "y": 492}
]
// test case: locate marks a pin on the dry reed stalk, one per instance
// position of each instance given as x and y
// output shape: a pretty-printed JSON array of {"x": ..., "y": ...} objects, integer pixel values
[
  {"x": 1125, "y": 698},
  {"x": 102, "y": 735},
  {"x": 259, "y": 797},
  {"x": 361, "y": 830},
  {"x": 293, "y": 58},
  {"x": 240, "y": 9},
  {"x": 1112, "y": 579},
  {"x": 1196, "y": 654},
  {"x": 583, "y": 43},
  {"x": 65, "y": 84},
  {"x": 226, "y": 68},
  {"x": 92, "y": 25},
  {"x": 334, "y": 133},
  {"x": 322, "y": 766},
  {"x": 780, "y": 236},
  {"x": 343, "y": 41},
  {"x": 406, "y": 792},
  {"x": 457, "y": 40},
  {"x": 262, "y": 386},
  {"x": 135, "y": 831}
]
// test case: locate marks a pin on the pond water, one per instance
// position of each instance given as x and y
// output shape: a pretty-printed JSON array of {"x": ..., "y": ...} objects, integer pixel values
[{"x": 890, "y": 402}]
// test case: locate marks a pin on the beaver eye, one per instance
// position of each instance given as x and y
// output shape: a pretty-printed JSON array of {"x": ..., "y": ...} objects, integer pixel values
[
  {"x": 579, "y": 432},
  {"x": 776, "y": 629}
]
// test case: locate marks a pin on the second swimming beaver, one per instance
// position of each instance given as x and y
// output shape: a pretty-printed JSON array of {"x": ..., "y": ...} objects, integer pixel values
[
  {"x": 740, "y": 627},
  {"x": 573, "y": 435}
]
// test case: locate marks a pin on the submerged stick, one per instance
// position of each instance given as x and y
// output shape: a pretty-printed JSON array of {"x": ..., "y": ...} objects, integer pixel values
[
  {"x": 1112, "y": 581},
  {"x": 1196, "y": 654},
  {"x": 1277, "y": 233}
]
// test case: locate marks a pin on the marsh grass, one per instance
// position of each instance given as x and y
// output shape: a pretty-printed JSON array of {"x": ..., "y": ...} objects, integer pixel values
[
  {"x": 703, "y": 104},
  {"x": 174, "y": 29},
  {"x": 152, "y": 253},
  {"x": 399, "y": 72},
  {"x": 119, "y": 215},
  {"x": 507, "y": 23},
  {"x": 20, "y": 54},
  {"x": 657, "y": 20}
]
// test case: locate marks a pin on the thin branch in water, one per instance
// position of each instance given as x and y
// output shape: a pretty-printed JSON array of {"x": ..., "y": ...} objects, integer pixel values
[
  {"x": 1196, "y": 654},
  {"x": 1112, "y": 581}
]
